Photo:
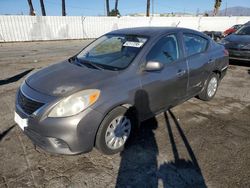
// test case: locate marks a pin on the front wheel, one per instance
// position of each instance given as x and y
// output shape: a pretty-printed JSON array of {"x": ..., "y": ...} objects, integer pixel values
[
  {"x": 114, "y": 131},
  {"x": 210, "y": 88}
]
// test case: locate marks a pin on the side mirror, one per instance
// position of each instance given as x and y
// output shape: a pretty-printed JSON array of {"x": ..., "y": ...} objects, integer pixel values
[{"x": 153, "y": 66}]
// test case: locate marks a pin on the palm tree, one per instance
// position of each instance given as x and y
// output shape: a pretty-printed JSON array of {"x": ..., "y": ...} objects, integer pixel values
[
  {"x": 116, "y": 7},
  {"x": 63, "y": 8},
  {"x": 148, "y": 8},
  {"x": 42, "y": 8},
  {"x": 32, "y": 12},
  {"x": 107, "y": 7},
  {"x": 217, "y": 5}
]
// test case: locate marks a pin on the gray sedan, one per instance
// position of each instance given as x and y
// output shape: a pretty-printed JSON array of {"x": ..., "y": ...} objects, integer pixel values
[{"x": 98, "y": 97}]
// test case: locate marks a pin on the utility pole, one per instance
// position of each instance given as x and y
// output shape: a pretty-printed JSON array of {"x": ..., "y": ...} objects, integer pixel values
[
  {"x": 226, "y": 9},
  {"x": 107, "y": 7},
  {"x": 152, "y": 7},
  {"x": 63, "y": 8},
  {"x": 32, "y": 12},
  {"x": 42, "y": 8},
  {"x": 104, "y": 8},
  {"x": 148, "y": 8},
  {"x": 197, "y": 12}
]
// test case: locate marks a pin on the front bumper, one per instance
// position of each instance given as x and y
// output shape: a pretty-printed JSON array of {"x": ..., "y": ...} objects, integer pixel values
[
  {"x": 68, "y": 135},
  {"x": 243, "y": 55},
  {"x": 223, "y": 72}
]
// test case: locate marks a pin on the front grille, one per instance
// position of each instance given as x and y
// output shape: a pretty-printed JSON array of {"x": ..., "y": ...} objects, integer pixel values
[
  {"x": 36, "y": 138},
  {"x": 28, "y": 105},
  {"x": 239, "y": 49}
]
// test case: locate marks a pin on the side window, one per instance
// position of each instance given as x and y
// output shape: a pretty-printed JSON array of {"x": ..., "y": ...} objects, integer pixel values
[
  {"x": 165, "y": 50},
  {"x": 194, "y": 44}
]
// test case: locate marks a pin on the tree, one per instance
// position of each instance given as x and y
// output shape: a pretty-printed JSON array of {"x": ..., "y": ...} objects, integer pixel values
[
  {"x": 32, "y": 12},
  {"x": 206, "y": 14},
  {"x": 107, "y": 7},
  {"x": 114, "y": 12},
  {"x": 42, "y": 8},
  {"x": 148, "y": 8},
  {"x": 63, "y": 8},
  {"x": 217, "y": 5}
]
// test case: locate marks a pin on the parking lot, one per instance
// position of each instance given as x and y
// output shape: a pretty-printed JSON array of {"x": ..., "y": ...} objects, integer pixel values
[{"x": 196, "y": 144}]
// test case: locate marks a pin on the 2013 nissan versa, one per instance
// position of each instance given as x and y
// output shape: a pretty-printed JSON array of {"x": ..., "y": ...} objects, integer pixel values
[{"x": 97, "y": 97}]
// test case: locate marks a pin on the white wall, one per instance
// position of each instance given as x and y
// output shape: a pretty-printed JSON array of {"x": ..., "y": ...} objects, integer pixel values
[{"x": 31, "y": 28}]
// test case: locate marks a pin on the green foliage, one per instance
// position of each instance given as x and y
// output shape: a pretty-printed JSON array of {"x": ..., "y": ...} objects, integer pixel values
[
  {"x": 217, "y": 4},
  {"x": 206, "y": 15},
  {"x": 114, "y": 12}
]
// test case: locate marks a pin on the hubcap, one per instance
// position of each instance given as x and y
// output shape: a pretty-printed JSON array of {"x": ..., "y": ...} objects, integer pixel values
[
  {"x": 212, "y": 87},
  {"x": 118, "y": 132}
]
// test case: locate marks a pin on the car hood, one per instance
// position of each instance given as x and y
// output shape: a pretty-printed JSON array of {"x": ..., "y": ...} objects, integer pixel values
[
  {"x": 238, "y": 38},
  {"x": 65, "y": 78}
]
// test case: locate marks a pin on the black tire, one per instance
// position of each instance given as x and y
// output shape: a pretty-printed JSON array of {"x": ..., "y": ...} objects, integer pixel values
[
  {"x": 204, "y": 94},
  {"x": 100, "y": 142}
]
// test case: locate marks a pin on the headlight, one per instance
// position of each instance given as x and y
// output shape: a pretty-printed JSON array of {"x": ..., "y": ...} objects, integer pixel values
[
  {"x": 246, "y": 47},
  {"x": 75, "y": 103},
  {"x": 223, "y": 41}
]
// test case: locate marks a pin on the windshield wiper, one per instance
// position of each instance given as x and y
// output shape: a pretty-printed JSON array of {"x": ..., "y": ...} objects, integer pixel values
[
  {"x": 72, "y": 59},
  {"x": 84, "y": 62},
  {"x": 92, "y": 64},
  {"x": 98, "y": 66}
]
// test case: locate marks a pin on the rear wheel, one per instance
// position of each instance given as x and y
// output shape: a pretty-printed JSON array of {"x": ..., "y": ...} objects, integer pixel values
[
  {"x": 210, "y": 88},
  {"x": 114, "y": 131}
]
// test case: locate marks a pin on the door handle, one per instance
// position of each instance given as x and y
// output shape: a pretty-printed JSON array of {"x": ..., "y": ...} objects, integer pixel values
[{"x": 181, "y": 73}]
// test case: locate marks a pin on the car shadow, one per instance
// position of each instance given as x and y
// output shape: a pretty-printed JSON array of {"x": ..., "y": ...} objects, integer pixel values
[
  {"x": 248, "y": 71},
  {"x": 139, "y": 164},
  {"x": 240, "y": 63},
  {"x": 180, "y": 172},
  {"x": 4, "y": 133},
  {"x": 15, "y": 78}
]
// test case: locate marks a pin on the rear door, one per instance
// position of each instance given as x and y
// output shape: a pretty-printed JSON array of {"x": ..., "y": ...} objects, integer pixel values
[
  {"x": 197, "y": 57},
  {"x": 165, "y": 87}
]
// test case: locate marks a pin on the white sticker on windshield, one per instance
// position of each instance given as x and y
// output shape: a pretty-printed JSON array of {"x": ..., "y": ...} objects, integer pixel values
[{"x": 133, "y": 44}]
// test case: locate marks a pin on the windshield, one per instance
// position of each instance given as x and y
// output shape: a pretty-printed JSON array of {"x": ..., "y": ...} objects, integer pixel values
[
  {"x": 113, "y": 52},
  {"x": 237, "y": 27},
  {"x": 245, "y": 30}
]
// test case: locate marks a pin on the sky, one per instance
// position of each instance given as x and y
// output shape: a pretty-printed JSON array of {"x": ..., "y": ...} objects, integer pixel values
[{"x": 97, "y": 7}]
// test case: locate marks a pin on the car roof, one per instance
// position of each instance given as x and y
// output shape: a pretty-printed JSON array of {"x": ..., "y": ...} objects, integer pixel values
[{"x": 150, "y": 31}]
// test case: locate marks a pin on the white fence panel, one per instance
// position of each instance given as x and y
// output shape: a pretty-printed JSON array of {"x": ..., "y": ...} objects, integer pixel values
[
  {"x": 221, "y": 23},
  {"x": 32, "y": 28}
]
